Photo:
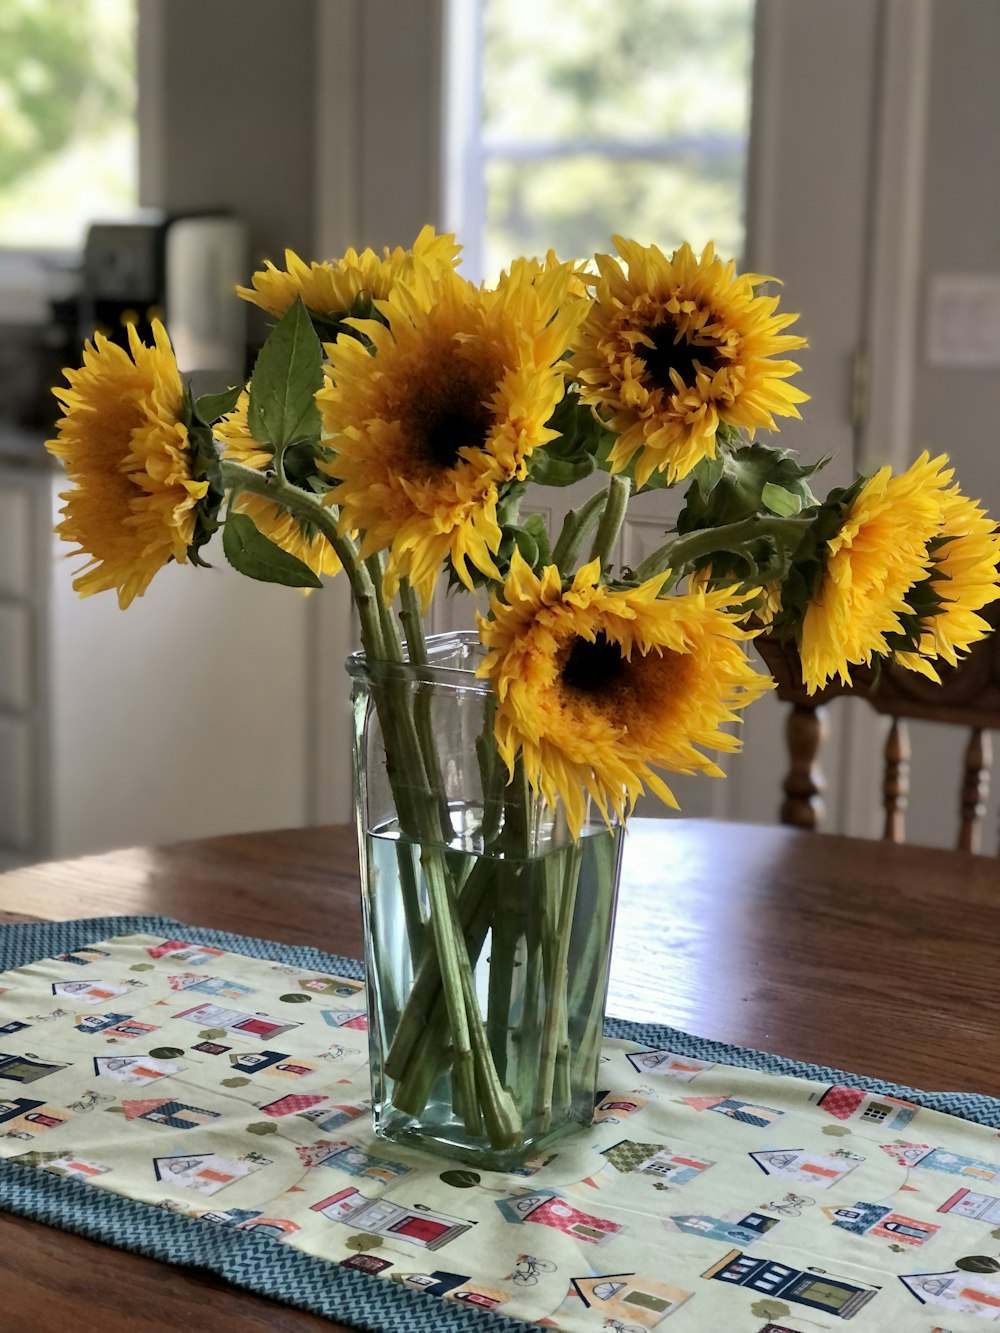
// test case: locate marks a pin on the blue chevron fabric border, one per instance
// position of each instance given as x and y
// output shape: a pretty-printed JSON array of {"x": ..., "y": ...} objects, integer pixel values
[{"x": 293, "y": 1277}]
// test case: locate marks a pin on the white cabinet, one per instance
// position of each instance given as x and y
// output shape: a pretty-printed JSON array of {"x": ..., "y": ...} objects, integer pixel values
[
  {"x": 25, "y": 507},
  {"x": 200, "y": 710}
]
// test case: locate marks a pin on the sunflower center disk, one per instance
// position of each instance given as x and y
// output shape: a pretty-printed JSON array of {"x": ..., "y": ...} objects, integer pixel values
[
  {"x": 669, "y": 352},
  {"x": 452, "y": 416},
  {"x": 597, "y": 669}
]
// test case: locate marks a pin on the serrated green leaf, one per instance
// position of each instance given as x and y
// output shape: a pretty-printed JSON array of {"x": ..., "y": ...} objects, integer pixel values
[
  {"x": 211, "y": 407},
  {"x": 779, "y": 501},
  {"x": 286, "y": 377},
  {"x": 251, "y": 553}
]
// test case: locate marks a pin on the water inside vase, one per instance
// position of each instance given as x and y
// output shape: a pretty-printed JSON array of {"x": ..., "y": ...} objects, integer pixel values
[{"x": 533, "y": 935}]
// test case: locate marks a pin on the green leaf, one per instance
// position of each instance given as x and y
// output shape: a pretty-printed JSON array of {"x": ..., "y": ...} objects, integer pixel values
[
  {"x": 535, "y": 525},
  {"x": 251, "y": 553},
  {"x": 286, "y": 376},
  {"x": 211, "y": 407},
  {"x": 780, "y": 501}
]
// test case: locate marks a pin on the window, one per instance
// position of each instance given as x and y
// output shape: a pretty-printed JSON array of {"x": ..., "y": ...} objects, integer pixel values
[
  {"x": 68, "y": 138},
  {"x": 573, "y": 122}
]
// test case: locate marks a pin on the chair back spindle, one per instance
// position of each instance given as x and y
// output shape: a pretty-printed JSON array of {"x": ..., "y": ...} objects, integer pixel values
[
  {"x": 975, "y": 789},
  {"x": 968, "y": 696},
  {"x": 805, "y": 730},
  {"x": 896, "y": 781}
]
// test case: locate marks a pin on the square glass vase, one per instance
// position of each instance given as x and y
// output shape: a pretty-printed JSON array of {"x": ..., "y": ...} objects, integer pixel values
[{"x": 488, "y": 926}]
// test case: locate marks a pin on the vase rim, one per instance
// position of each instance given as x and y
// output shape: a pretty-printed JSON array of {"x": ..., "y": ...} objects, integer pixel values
[{"x": 445, "y": 653}]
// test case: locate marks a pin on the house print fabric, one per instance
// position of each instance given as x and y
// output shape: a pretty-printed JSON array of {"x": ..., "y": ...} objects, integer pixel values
[{"x": 203, "y": 1083}]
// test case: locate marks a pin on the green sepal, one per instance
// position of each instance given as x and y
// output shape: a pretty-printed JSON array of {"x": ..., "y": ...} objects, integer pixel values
[
  {"x": 212, "y": 407},
  {"x": 300, "y": 459},
  {"x": 800, "y": 583},
  {"x": 924, "y": 602},
  {"x": 573, "y": 455},
  {"x": 251, "y": 553},
  {"x": 754, "y": 479},
  {"x": 707, "y": 474},
  {"x": 286, "y": 377},
  {"x": 784, "y": 503},
  {"x": 205, "y": 465},
  {"x": 330, "y": 327},
  {"x": 537, "y": 529}
]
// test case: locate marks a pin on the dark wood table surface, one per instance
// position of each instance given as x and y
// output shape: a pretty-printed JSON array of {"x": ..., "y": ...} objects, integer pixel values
[{"x": 861, "y": 955}]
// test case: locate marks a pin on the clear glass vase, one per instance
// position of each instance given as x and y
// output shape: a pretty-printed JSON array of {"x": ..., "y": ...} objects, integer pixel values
[{"x": 487, "y": 925}]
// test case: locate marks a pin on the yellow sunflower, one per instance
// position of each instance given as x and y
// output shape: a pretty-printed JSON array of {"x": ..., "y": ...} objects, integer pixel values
[
  {"x": 329, "y": 290},
  {"x": 272, "y": 520},
  {"x": 598, "y": 686},
  {"x": 967, "y": 569},
  {"x": 462, "y": 385},
  {"x": 677, "y": 347},
  {"x": 126, "y": 451},
  {"x": 877, "y": 556}
]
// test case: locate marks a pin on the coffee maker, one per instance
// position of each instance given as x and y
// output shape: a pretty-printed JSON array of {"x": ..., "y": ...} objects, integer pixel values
[{"x": 179, "y": 268}]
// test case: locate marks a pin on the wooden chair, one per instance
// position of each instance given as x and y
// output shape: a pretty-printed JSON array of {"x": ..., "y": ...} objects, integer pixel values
[{"x": 969, "y": 696}]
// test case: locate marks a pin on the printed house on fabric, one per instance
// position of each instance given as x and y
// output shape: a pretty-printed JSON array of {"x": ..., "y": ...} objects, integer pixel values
[
  {"x": 874, "y": 1219},
  {"x": 820, "y": 1291},
  {"x": 25, "y": 1069},
  {"x": 352, "y": 1160},
  {"x": 956, "y": 1292},
  {"x": 248, "y": 1219},
  {"x": 629, "y": 1298},
  {"x": 23, "y": 1118},
  {"x": 664, "y": 1063},
  {"x": 967, "y": 1203},
  {"x": 868, "y": 1108},
  {"x": 925, "y": 1157},
  {"x": 454, "y": 1287},
  {"x": 417, "y": 1225},
  {"x": 739, "y": 1230},
  {"x": 655, "y": 1159},
  {"x": 550, "y": 1210}
]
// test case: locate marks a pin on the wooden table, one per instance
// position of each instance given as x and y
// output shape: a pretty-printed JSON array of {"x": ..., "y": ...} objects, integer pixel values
[{"x": 860, "y": 955}]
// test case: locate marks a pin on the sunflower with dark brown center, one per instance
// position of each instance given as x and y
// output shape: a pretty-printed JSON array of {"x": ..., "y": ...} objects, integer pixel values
[
  {"x": 463, "y": 383},
  {"x": 676, "y": 347},
  {"x": 599, "y": 686}
]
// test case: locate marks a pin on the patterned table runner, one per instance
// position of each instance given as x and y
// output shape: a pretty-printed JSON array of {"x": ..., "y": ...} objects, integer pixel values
[{"x": 202, "y": 1098}]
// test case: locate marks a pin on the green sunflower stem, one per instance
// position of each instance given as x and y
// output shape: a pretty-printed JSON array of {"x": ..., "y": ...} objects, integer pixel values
[
  {"x": 390, "y": 634},
  {"x": 305, "y": 505},
  {"x": 682, "y": 552},
  {"x": 612, "y": 518},
  {"x": 416, "y": 651},
  {"x": 426, "y": 989},
  {"x": 555, "y": 1050},
  {"x": 587, "y": 995},
  {"x": 576, "y": 528}
]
